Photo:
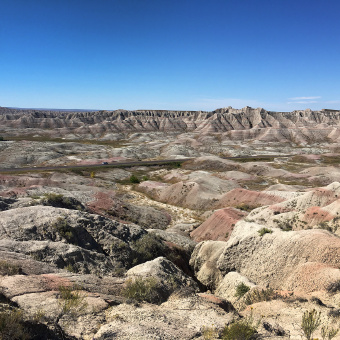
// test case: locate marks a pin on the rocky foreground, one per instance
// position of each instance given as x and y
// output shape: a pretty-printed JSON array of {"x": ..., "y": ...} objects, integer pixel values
[{"x": 205, "y": 250}]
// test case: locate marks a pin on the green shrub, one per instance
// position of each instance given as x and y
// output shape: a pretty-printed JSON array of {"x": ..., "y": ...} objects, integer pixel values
[
  {"x": 35, "y": 197},
  {"x": 134, "y": 179},
  {"x": 7, "y": 268},
  {"x": 241, "y": 289},
  {"x": 12, "y": 325},
  {"x": 119, "y": 271},
  {"x": 246, "y": 207},
  {"x": 147, "y": 248},
  {"x": 151, "y": 246},
  {"x": 238, "y": 331},
  {"x": 243, "y": 329},
  {"x": 143, "y": 289},
  {"x": 263, "y": 231},
  {"x": 64, "y": 229},
  {"x": 311, "y": 321}
]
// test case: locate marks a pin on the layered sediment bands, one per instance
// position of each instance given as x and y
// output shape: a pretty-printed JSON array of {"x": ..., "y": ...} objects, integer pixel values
[{"x": 240, "y": 124}]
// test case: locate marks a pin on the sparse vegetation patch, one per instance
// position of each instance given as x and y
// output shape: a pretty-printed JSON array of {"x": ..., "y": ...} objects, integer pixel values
[
  {"x": 64, "y": 229},
  {"x": 12, "y": 325},
  {"x": 7, "y": 268},
  {"x": 134, "y": 179},
  {"x": 263, "y": 231},
  {"x": 71, "y": 300},
  {"x": 243, "y": 329},
  {"x": 60, "y": 201},
  {"x": 258, "y": 295},
  {"x": 147, "y": 248},
  {"x": 246, "y": 207},
  {"x": 241, "y": 289},
  {"x": 143, "y": 289}
]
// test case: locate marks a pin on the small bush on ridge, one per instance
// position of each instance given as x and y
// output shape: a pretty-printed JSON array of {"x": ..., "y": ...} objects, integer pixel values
[
  {"x": 263, "y": 231},
  {"x": 246, "y": 207},
  {"x": 134, "y": 179}
]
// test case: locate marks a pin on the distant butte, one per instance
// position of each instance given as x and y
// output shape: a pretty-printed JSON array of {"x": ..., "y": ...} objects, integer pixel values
[{"x": 302, "y": 126}]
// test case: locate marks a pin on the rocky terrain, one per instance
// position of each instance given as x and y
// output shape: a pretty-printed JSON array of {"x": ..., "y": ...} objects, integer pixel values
[{"x": 203, "y": 249}]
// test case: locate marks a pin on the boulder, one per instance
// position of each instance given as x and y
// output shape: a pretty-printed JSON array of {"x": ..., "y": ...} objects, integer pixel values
[
  {"x": 227, "y": 288},
  {"x": 169, "y": 275}
]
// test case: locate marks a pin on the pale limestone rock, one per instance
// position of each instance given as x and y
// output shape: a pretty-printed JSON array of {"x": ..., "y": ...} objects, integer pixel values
[
  {"x": 168, "y": 274},
  {"x": 204, "y": 262}
]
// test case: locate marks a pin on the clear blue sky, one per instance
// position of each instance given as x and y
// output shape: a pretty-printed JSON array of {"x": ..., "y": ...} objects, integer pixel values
[{"x": 170, "y": 54}]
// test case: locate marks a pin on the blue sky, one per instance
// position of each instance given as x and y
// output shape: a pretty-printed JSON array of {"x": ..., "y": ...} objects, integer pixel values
[{"x": 170, "y": 54}]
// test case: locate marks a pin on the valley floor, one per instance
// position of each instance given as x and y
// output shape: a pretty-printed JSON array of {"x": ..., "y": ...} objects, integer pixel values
[{"x": 178, "y": 251}]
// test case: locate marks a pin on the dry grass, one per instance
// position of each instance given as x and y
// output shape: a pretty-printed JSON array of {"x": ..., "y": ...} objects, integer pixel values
[
  {"x": 7, "y": 268},
  {"x": 330, "y": 160},
  {"x": 301, "y": 159}
]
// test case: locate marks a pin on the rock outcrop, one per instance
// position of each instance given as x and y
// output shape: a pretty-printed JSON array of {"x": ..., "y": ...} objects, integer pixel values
[
  {"x": 302, "y": 261},
  {"x": 82, "y": 242}
]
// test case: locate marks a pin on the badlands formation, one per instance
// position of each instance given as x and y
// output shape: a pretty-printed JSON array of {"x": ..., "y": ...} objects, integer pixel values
[{"x": 242, "y": 231}]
